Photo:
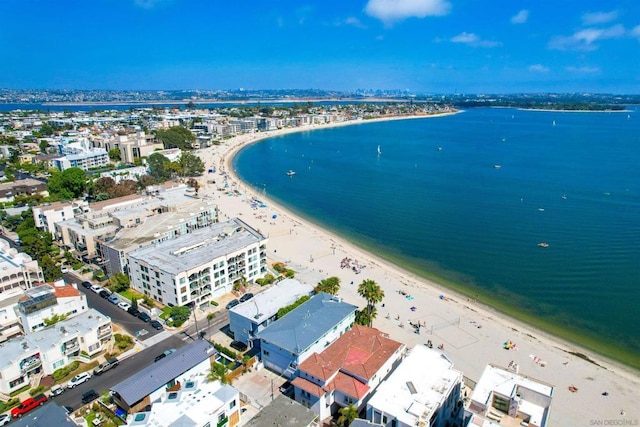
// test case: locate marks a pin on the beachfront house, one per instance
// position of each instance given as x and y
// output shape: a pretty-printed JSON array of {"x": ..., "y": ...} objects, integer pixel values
[
  {"x": 308, "y": 329},
  {"x": 424, "y": 390},
  {"x": 502, "y": 394},
  {"x": 346, "y": 372},
  {"x": 251, "y": 317}
]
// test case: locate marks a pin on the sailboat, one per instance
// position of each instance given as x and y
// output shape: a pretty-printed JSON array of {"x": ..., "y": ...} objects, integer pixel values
[
  {"x": 379, "y": 151},
  {"x": 554, "y": 123}
]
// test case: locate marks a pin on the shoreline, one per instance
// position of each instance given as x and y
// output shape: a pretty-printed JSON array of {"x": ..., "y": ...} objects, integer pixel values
[{"x": 315, "y": 252}]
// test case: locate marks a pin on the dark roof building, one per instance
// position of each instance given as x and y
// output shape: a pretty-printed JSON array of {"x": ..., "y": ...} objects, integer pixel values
[
  {"x": 283, "y": 411},
  {"x": 45, "y": 416},
  {"x": 140, "y": 389}
]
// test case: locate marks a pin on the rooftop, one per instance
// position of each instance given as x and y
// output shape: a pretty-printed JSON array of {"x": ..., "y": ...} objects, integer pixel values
[
  {"x": 192, "y": 250},
  {"x": 267, "y": 303},
  {"x": 155, "y": 376},
  {"x": 417, "y": 387},
  {"x": 285, "y": 412},
  {"x": 307, "y": 323},
  {"x": 195, "y": 404}
]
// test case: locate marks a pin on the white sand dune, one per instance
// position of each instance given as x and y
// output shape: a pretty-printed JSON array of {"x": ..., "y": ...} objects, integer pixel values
[{"x": 472, "y": 335}]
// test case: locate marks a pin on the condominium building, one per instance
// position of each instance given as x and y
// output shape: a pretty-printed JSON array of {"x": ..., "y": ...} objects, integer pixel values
[
  {"x": 93, "y": 158},
  {"x": 24, "y": 360},
  {"x": 44, "y": 303},
  {"x": 47, "y": 215},
  {"x": 197, "y": 267},
  {"x": 17, "y": 269}
]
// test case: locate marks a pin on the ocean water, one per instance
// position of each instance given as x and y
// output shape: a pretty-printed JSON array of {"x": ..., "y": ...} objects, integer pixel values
[{"x": 435, "y": 202}]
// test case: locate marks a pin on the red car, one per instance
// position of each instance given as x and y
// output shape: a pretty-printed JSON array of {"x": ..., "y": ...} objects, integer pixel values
[{"x": 27, "y": 405}]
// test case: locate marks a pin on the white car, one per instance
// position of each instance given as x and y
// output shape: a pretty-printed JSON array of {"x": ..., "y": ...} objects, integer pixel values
[
  {"x": 96, "y": 288},
  {"x": 64, "y": 269},
  {"x": 124, "y": 305},
  {"x": 78, "y": 379},
  {"x": 4, "y": 419}
]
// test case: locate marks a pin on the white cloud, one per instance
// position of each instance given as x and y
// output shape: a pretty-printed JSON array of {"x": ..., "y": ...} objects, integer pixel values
[
  {"x": 583, "y": 70},
  {"x": 354, "y": 22},
  {"x": 585, "y": 39},
  {"x": 599, "y": 17},
  {"x": 149, "y": 4},
  {"x": 391, "y": 11},
  {"x": 538, "y": 68},
  {"x": 473, "y": 40},
  {"x": 520, "y": 17},
  {"x": 636, "y": 32}
]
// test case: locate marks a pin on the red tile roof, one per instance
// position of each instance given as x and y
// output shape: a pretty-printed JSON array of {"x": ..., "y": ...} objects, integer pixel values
[
  {"x": 360, "y": 352},
  {"x": 66, "y": 291}
]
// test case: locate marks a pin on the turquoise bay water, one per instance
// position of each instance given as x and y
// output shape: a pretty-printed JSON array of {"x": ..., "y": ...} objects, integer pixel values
[{"x": 450, "y": 214}]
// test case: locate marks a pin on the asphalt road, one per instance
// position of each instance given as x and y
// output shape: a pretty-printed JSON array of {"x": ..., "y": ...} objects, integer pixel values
[
  {"x": 126, "y": 368},
  {"x": 129, "y": 323}
]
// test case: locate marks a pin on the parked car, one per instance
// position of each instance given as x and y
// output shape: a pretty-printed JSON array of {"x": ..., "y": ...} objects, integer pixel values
[
  {"x": 110, "y": 363},
  {"x": 64, "y": 269},
  {"x": 239, "y": 345},
  {"x": 96, "y": 288},
  {"x": 86, "y": 284},
  {"x": 232, "y": 304},
  {"x": 144, "y": 317},
  {"x": 56, "y": 390},
  {"x": 246, "y": 297},
  {"x": 113, "y": 299},
  {"x": 89, "y": 396},
  {"x": 133, "y": 311},
  {"x": 104, "y": 294},
  {"x": 78, "y": 379},
  {"x": 286, "y": 388},
  {"x": 124, "y": 305},
  {"x": 4, "y": 419},
  {"x": 156, "y": 325},
  {"x": 27, "y": 405}
]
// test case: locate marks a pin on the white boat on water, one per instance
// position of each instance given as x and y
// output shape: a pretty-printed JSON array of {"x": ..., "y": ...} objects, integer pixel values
[
  {"x": 379, "y": 151},
  {"x": 291, "y": 173},
  {"x": 497, "y": 166}
]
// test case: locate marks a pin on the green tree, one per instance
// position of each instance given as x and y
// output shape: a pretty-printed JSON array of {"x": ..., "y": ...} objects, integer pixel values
[
  {"x": 159, "y": 167},
  {"x": 176, "y": 137},
  {"x": 366, "y": 317},
  {"x": 373, "y": 294},
  {"x": 119, "y": 282},
  {"x": 330, "y": 285},
  {"x": 50, "y": 270},
  {"x": 347, "y": 415},
  {"x": 44, "y": 145},
  {"x": 114, "y": 155},
  {"x": 69, "y": 184},
  {"x": 218, "y": 372},
  {"x": 190, "y": 165},
  {"x": 179, "y": 314}
]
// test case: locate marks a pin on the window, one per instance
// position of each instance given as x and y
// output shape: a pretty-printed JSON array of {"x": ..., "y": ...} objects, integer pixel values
[
  {"x": 265, "y": 352},
  {"x": 232, "y": 404}
]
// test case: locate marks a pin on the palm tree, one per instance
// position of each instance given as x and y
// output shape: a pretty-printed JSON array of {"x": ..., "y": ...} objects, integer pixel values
[
  {"x": 347, "y": 415},
  {"x": 373, "y": 294},
  {"x": 218, "y": 372},
  {"x": 330, "y": 285}
]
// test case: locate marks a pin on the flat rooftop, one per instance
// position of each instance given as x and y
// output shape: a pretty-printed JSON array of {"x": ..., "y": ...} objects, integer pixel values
[
  {"x": 192, "y": 250},
  {"x": 418, "y": 386},
  {"x": 267, "y": 303}
]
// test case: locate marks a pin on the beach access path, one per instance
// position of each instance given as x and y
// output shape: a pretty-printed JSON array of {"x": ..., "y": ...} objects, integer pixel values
[{"x": 472, "y": 335}]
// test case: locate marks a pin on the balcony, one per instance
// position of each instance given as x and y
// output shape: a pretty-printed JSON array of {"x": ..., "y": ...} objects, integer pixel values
[
  {"x": 30, "y": 364},
  {"x": 105, "y": 330},
  {"x": 71, "y": 349}
]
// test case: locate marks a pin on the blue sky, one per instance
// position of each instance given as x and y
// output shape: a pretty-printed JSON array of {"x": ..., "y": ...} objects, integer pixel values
[{"x": 424, "y": 46}]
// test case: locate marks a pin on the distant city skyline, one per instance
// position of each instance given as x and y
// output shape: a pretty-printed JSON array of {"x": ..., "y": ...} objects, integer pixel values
[{"x": 421, "y": 46}]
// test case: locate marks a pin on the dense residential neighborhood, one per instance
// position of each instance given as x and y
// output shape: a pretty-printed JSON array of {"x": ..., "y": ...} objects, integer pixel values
[{"x": 117, "y": 262}]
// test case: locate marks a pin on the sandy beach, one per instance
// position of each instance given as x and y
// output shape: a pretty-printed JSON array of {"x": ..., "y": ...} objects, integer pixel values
[{"x": 472, "y": 334}]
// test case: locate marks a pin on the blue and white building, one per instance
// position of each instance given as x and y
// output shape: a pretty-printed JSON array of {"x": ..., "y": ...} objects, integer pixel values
[{"x": 307, "y": 329}]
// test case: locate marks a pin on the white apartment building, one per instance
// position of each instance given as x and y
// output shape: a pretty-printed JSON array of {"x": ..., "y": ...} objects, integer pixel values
[
  {"x": 136, "y": 145},
  {"x": 198, "y": 267},
  {"x": 17, "y": 269},
  {"x": 41, "y": 303},
  {"x": 93, "y": 158},
  {"x": 424, "y": 390},
  {"x": 119, "y": 175},
  {"x": 47, "y": 215},
  {"x": 9, "y": 319},
  {"x": 504, "y": 396},
  {"x": 196, "y": 403},
  {"x": 24, "y": 360}
]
